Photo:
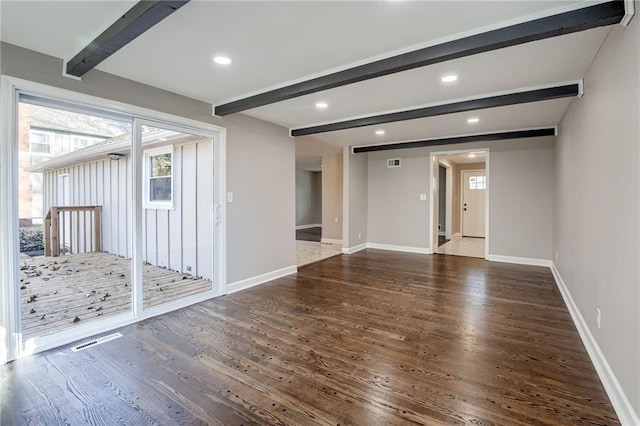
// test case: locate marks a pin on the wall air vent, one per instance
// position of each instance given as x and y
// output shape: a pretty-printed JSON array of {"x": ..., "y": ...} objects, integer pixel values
[
  {"x": 393, "y": 162},
  {"x": 95, "y": 342}
]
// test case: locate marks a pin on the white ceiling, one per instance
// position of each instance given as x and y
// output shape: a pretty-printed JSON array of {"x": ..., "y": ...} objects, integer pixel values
[
  {"x": 465, "y": 158},
  {"x": 274, "y": 44}
]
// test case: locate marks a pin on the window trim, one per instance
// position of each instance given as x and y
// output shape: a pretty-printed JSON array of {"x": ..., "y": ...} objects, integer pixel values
[{"x": 147, "y": 203}]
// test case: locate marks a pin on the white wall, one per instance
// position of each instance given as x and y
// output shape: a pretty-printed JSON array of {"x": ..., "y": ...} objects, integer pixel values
[
  {"x": 597, "y": 235},
  {"x": 520, "y": 179}
]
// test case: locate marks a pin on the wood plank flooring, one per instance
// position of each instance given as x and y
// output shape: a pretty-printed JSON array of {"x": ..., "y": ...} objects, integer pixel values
[
  {"x": 374, "y": 338},
  {"x": 77, "y": 285}
]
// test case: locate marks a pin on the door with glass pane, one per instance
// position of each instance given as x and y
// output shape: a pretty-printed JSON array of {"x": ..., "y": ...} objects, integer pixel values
[
  {"x": 74, "y": 217},
  {"x": 473, "y": 203},
  {"x": 177, "y": 226}
]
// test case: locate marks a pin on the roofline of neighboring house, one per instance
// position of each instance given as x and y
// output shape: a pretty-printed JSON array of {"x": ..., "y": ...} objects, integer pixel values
[
  {"x": 99, "y": 151},
  {"x": 69, "y": 132}
]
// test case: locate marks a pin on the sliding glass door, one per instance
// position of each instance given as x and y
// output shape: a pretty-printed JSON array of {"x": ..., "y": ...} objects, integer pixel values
[
  {"x": 111, "y": 216},
  {"x": 74, "y": 216},
  {"x": 177, "y": 223}
]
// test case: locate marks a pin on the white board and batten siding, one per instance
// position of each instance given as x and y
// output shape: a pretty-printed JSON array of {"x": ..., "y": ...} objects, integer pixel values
[{"x": 180, "y": 239}]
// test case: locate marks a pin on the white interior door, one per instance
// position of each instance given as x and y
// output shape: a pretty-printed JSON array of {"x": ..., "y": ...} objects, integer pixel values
[{"x": 473, "y": 203}]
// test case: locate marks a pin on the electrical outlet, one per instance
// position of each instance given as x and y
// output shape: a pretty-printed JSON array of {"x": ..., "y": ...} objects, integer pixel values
[
  {"x": 359, "y": 235},
  {"x": 556, "y": 256},
  {"x": 598, "y": 317},
  {"x": 336, "y": 219}
]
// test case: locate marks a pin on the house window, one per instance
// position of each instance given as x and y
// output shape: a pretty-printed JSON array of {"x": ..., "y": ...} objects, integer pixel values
[
  {"x": 159, "y": 178},
  {"x": 79, "y": 143},
  {"x": 40, "y": 143},
  {"x": 477, "y": 182}
]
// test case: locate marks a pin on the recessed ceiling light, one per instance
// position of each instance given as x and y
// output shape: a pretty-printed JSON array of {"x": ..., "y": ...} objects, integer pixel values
[
  {"x": 473, "y": 120},
  {"x": 471, "y": 155},
  {"x": 449, "y": 78},
  {"x": 380, "y": 132},
  {"x": 222, "y": 60},
  {"x": 321, "y": 105}
]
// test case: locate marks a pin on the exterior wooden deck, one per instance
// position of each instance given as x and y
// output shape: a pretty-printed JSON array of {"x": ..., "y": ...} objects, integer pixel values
[{"x": 90, "y": 286}]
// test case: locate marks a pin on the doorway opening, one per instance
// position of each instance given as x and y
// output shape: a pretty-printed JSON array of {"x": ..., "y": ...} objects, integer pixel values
[
  {"x": 318, "y": 199},
  {"x": 460, "y": 203}
]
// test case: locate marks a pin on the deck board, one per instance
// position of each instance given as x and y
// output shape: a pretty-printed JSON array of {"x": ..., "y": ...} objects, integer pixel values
[{"x": 72, "y": 285}]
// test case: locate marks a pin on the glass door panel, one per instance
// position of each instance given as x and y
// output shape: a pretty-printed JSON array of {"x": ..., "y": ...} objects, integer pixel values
[
  {"x": 177, "y": 215},
  {"x": 75, "y": 218}
]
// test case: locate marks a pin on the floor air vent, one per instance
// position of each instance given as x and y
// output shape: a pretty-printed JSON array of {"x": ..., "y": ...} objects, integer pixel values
[{"x": 96, "y": 342}]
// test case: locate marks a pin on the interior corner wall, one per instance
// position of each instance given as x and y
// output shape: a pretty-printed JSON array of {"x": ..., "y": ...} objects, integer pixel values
[
  {"x": 260, "y": 160},
  {"x": 357, "y": 198},
  {"x": 597, "y": 203},
  {"x": 308, "y": 202},
  {"x": 521, "y": 197},
  {"x": 332, "y": 197}
]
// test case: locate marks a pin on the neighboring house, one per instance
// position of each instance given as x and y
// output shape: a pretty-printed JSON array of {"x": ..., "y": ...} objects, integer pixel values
[
  {"x": 176, "y": 210},
  {"x": 45, "y": 133}
]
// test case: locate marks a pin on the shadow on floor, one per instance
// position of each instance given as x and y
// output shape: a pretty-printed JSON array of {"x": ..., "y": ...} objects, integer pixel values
[{"x": 309, "y": 234}]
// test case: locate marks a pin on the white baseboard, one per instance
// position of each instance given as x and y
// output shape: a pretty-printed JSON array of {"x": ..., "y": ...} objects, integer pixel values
[
  {"x": 354, "y": 249},
  {"x": 260, "y": 279},
  {"x": 519, "y": 260},
  {"x": 330, "y": 241},
  {"x": 621, "y": 404},
  {"x": 406, "y": 249},
  {"x": 313, "y": 225}
]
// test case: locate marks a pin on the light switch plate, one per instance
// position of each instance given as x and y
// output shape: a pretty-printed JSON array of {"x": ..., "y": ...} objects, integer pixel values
[
  {"x": 229, "y": 197},
  {"x": 423, "y": 197}
]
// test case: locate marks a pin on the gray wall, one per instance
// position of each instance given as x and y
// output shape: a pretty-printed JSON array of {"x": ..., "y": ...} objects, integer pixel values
[
  {"x": 521, "y": 180},
  {"x": 260, "y": 161},
  {"x": 355, "y": 167},
  {"x": 308, "y": 197},
  {"x": 332, "y": 197},
  {"x": 597, "y": 203}
]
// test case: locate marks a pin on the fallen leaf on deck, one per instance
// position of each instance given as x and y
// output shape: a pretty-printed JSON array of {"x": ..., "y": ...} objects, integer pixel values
[
  {"x": 76, "y": 319},
  {"x": 32, "y": 311}
]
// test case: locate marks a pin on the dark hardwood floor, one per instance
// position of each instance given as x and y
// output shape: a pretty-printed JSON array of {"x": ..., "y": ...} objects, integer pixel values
[
  {"x": 309, "y": 234},
  {"x": 374, "y": 338}
]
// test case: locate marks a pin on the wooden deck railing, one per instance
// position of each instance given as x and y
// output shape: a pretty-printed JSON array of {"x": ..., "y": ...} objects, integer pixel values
[{"x": 72, "y": 229}]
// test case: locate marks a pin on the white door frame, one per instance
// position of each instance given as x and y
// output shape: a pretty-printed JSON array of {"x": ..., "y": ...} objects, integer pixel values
[
  {"x": 11, "y": 345},
  {"x": 433, "y": 213},
  {"x": 448, "y": 226}
]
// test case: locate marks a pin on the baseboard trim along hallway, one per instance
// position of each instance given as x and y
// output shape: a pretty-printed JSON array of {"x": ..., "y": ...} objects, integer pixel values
[{"x": 619, "y": 400}]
